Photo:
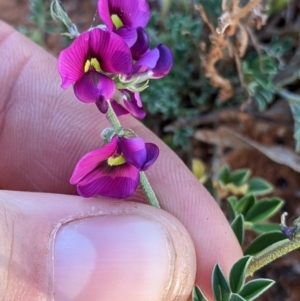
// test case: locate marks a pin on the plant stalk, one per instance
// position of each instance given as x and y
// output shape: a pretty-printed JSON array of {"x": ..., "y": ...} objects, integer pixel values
[
  {"x": 148, "y": 191},
  {"x": 273, "y": 252}
]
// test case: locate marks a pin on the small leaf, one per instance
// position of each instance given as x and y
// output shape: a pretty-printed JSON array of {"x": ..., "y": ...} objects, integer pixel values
[
  {"x": 263, "y": 241},
  {"x": 264, "y": 228},
  {"x": 232, "y": 201},
  {"x": 255, "y": 288},
  {"x": 238, "y": 228},
  {"x": 220, "y": 285},
  {"x": 236, "y": 297},
  {"x": 237, "y": 273},
  {"x": 263, "y": 209},
  {"x": 197, "y": 294},
  {"x": 224, "y": 174},
  {"x": 245, "y": 203},
  {"x": 259, "y": 186},
  {"x": 239, "y": 177}
]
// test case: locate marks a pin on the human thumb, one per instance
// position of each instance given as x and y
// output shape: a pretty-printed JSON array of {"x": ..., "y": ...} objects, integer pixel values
[{"x": 66, "y": 248}]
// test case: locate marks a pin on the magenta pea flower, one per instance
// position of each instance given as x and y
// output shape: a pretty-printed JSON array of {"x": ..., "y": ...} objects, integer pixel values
[
  {"x": 124, "y": 13},
  {"x": 127, "y": 19},
  {"x": 88, "y": 63},
  {"x": 113, "y": 170}
]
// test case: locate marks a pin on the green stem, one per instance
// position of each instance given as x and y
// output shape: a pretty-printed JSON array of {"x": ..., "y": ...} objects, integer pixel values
[
  {"x": 271, "y": 253},
  {"x": 149, "y": 192},
  {"x": 112, "y": 117}
]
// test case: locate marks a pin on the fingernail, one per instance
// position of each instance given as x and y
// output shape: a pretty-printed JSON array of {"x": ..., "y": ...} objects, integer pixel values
[{"x": 117, "y": 257}]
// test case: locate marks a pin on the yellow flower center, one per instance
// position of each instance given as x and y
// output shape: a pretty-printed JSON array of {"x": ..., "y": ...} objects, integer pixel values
[
  {"x": 92, "y": 63},
  {"x": 117, "y": 21},
  {"x": 115, "y": 161}
]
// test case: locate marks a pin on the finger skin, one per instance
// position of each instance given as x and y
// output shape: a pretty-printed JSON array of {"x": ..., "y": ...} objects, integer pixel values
[
  {"x": 32, "y": 251},
  {"x": 45, "y": 130}
]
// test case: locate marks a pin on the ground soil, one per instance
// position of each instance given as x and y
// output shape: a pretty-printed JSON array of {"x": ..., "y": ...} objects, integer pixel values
[{"x": 285, "y": 271}]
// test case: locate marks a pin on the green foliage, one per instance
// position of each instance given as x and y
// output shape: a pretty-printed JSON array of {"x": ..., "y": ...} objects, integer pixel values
[
  {"x": 264, "y": 241},
  {"x": 238, "y": 273},
  {"x": 255, "y": 288},
  {"x": 238, "y": 228},
  {"x": 294, "y": 102},
  {"x": 178, "y": 94},
  {"x": 197, "y": 294},
  {"x": 178, "y": 31},
  {"x": 41, "y": 18},
  {"x": 236, "y": 289},
  {"x": 254, "y": 212},
  {"x": 258, "y": 75},
  {"x": 238, "y": 183},
  {"x": 259, "y": 186},
  {"x": 220, "y": 285},
  {"x": 263, "y": 209}
]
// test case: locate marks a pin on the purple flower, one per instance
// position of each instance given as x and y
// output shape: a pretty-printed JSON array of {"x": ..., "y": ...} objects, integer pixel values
[
  {"x": 88, "y": 60},
  {"x": 141, "y": 45},
  {"x": 129, "y": 103},
  {"x": 157, "y": 62},
  {"x": 124, "y": 17},
  {"x": 118, "y": 13},
  {"x": 113, "y": 170}
]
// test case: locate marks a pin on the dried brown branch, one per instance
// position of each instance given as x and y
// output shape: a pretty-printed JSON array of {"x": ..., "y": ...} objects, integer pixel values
[
  {"x": 234, "y": 22},
  {"x": 218, "y": 43}
]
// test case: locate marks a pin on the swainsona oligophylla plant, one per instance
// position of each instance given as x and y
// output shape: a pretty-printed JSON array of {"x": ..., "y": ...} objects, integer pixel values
[{"x": 110, "y": 65}]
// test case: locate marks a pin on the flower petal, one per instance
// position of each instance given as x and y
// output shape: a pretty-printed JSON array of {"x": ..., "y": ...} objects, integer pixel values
[
  {"x": 134, "y": 151},
  {"x": 102, "y": 105},
  {"x": 91, "y": 160},
  {"x": 111, "y": 50},
  {"x": 133, "y": 13},
  {"x": 116, "y": 182},
  {"x": 141, "y": 45},
  {"x": 152, "y": 154},
  {"x": 134, "y": 105},
  {"x": 93, "y": 86},
  {"x": 164, "y": 63},
  {"x": 118, "y": 109},
  {"x": 129, "y": 35},
  {"x": 72, "y": 59},
  {"x": 104, "y": 13},
  {"x": 147, "y": 61}
]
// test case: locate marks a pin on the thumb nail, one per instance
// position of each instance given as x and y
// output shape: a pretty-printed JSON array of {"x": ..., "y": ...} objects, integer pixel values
[{"x": 112, "y": 257}]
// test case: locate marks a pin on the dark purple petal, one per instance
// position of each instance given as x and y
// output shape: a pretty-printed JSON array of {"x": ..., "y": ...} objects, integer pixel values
[
  {"x": 158, "y": 60},
  {"x": 118, "y": 109},
  {"x": 152, "y": 154},
  {"x": 91, "y": 160},
  {"x": 134, "y": 151},
  {"x": 114, "y": 182},
  {"x": 141, "y": 45},
  {"x": 134, "y": 105},
  {"x": 129, "y": 35},
  {"x": 94, "y": 86},
  {"x": 147, "y": 61},
  {"x": 133, "y": 13},
  {"x": 111, "y": 51},
  {"x": 72, "y": 59},
  {"x": 164, "y": 63},
  {"x": 102, "y": 105}
]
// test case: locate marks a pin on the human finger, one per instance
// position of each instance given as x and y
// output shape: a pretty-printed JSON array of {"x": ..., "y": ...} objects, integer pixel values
[{"x": 68, "y": 248}]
